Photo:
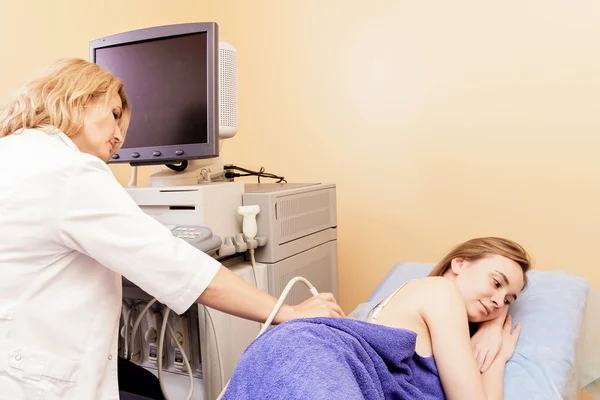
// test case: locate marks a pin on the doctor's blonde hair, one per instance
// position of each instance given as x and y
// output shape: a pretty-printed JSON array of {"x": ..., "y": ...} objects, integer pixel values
[
  {"x": 476, "y": 249},
  {"x": 54, "y": 102}
]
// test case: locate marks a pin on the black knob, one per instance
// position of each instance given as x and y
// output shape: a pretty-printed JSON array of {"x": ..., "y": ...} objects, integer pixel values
[
  {"x": 135, "y": 155},
  {"x": 115, "y": 156},
  {"x": 179, "y": 152},
  {"x": 156, "y": 153}
]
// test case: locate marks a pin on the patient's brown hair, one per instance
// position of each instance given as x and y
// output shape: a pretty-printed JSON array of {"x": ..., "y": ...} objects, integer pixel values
[{"x": 478, "y": 248}]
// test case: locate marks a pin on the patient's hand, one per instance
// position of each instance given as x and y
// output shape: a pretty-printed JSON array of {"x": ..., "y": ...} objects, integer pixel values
[
  {"x": 509, "y": 339},
  {"x": 486, "y": 343}
]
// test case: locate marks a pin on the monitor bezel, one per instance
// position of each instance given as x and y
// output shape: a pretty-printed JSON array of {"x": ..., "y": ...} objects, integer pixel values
[{"x": 190, "y": 151}]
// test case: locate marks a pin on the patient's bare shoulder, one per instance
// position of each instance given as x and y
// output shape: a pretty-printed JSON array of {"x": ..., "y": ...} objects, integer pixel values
[
  {"x": 428, "y": 293},
  {"x": 412, "y": 296},
  {"x": 424, "y": 288},
  {"x": 409, "y": 308},
  {"x": 439, "y": 295},
  {"x": 437, "y": 283}
]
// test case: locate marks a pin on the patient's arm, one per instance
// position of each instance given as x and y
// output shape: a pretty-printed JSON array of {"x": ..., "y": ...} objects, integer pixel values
[
  {"x": 444, "y": 313},
  {"x": 487, "y": 340},
  {"x": 509, "y": 342}
]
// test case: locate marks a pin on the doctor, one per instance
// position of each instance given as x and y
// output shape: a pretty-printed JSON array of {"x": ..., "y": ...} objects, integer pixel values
[{"x": 69, "y": 231}]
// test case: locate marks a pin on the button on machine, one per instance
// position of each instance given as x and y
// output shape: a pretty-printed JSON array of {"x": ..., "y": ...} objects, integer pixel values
[
  {"x": 201, "y": 237},
  {"x": 191, "y": 234}
]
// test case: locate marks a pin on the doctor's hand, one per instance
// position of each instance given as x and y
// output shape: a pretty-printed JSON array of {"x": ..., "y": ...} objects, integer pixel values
[{"x": 322, "y": 305}]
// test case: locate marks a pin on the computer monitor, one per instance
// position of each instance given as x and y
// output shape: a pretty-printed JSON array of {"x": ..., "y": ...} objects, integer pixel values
[{"x": 170, "y": 75}]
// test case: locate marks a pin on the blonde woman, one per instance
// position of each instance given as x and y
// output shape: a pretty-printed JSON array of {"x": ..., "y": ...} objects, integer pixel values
[
  {"x": 415, "y": 345},
  {"x": 69, "y": 232}
]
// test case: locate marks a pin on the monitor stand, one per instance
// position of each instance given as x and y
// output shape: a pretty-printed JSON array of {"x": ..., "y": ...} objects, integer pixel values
[{"x": 197, "y": 172}]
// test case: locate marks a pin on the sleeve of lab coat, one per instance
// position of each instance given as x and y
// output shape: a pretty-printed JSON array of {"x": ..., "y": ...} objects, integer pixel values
[{"x": 97, "y": 217}]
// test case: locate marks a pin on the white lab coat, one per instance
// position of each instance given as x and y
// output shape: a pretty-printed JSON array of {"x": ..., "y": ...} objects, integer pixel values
[{"x": 68, "y": 232}]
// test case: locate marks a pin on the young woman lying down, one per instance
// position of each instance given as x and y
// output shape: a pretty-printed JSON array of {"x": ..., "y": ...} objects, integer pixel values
[{"x": 415, "y": 345}]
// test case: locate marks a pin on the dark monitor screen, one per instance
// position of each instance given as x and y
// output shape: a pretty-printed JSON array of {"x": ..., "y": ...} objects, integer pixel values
[
  {"x": 167, "y": 91},
  {"x": 169, "y": 78}
]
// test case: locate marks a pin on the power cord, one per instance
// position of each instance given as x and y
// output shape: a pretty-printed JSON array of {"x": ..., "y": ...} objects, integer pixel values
[
  {"x": 218, "y": 351},
  {"x": 137, "y": 323},
  {"x": 248, "y": 172},
  {"x": 128, "y": 335},
  {"x": 253, "y": 262},
  {"x": 179, "y": 168},
  {"x": 278, "y": 305},
  {"x": 161, "y": 340}
]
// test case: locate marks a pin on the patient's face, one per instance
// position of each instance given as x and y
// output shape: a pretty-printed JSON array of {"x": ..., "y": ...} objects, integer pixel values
[{"x": 487, "y": 285}]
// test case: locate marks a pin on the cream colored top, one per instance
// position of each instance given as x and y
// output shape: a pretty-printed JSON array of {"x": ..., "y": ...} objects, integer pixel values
[{"x": 379, "y": 307}]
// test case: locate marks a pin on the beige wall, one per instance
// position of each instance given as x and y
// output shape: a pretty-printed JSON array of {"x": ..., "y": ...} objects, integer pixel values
[{"x": 438, "y": 122}]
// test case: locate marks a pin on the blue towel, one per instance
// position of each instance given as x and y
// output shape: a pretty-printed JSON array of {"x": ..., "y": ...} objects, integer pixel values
[{"x": 342, "y": 358}]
